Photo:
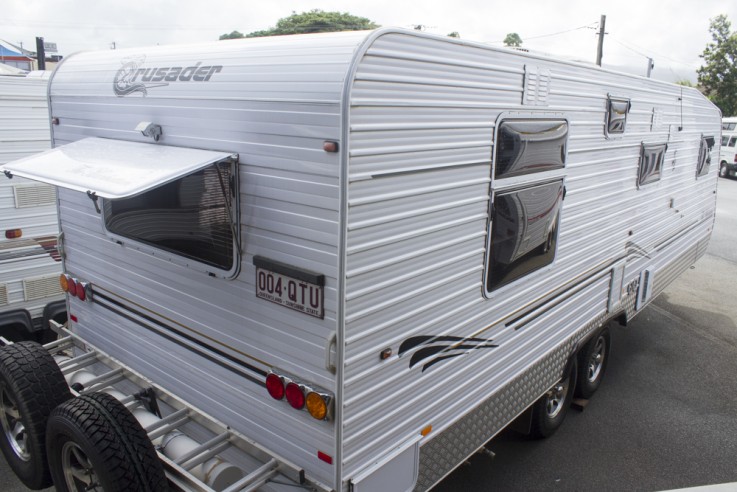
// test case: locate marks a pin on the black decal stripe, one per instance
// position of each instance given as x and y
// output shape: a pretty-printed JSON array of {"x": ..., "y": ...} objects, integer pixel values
[
  {"x": 169, "y": 333},
  {"x": 430, "y": 351},
  {"x": 413, "y": 342},
  {"x": 439, "y": 359}
]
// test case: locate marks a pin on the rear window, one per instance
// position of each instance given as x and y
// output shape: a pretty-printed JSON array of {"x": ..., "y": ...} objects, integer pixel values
[{"x": 191, "y": 217}]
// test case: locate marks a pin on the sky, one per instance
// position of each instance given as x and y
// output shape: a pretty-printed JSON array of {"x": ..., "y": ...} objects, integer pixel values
[{"x": 673, "y": 33}]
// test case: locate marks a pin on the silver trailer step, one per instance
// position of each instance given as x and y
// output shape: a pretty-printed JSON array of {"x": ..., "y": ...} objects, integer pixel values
[{"x": 208, "y": 456}]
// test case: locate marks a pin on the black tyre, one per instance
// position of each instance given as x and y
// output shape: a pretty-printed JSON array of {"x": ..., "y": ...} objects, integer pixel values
[
  {"x": 31, "y": 386},
  {"x": 549, "y": 411},
  {"x": 94, "y": 443},
  {"x": 592, "y": 362}
]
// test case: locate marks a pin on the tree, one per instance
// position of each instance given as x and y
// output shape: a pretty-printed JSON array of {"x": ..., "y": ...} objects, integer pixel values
[
  {"x": 454, "y": 34},
  {"x": 232, "y": 35},
  {"x": 718, "y": 74},
  {"x": 513, "y": 39},
  {"x": 316, "y": 20}
]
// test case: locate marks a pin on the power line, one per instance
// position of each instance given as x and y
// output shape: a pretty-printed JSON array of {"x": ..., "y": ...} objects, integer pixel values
[{"x": 587, "y": 26}]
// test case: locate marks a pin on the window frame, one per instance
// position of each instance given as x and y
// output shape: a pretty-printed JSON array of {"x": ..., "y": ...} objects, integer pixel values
[
  {"x": 611, "y": 100},
  {"x": 650, "y": 179},
  {"x": 702, "y": 169},
  {"x": 179, "y": 259},
  {"x": 517, "y": 183}
]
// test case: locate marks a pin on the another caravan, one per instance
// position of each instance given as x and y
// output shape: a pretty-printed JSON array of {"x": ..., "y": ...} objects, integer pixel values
[
  {"x": 344, "y": 261},
  {"x": 30, "y": 265}
]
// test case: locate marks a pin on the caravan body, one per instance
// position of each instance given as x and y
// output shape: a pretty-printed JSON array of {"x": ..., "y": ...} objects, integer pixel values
[
  {"x": 29, "y": 262},
  {"x": 419, "y": 230}
]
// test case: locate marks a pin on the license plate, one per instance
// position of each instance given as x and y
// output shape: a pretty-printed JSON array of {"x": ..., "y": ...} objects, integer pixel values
[{"x": 290, "y": 292}]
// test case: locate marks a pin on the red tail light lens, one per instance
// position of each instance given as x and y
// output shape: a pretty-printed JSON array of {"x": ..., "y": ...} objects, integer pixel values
[
  {"x": 295, "y": 396},
  {"x": 82, "y": 291},
  {"x": 13, "y": 233},
  {"x": 275, "y": 386},
  {"x": 72, "y": 287}
]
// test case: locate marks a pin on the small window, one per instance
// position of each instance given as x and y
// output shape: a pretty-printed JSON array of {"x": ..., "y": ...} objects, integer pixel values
[
  {"x": 725, "y": 140},
  {"x": 729, "y": 126},
  {"x": 190, "y": 217},
  {"x": 651, "y": 163},
  {"x": 732, "y": 141},
  {"x": 617, "y": 115},
  {"x": 704, "y": 160},
  {"x": 524, "y": 232},
  {"x": 530, "y": 146}
]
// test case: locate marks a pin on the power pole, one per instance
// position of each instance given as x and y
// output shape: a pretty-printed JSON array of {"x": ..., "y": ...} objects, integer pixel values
[
  {"x": 600, "y": 48},
  {"x": 650, "y": 66},
  {"x": 40, "y": 54}
]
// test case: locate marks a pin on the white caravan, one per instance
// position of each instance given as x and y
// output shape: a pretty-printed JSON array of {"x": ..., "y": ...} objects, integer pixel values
[
  {"x": 30, "y": 265},
  {"x": 342, "y": 260}
]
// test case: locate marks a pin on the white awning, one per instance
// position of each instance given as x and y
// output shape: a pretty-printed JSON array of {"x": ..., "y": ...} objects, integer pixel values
[{"x": 112, "y": 168}]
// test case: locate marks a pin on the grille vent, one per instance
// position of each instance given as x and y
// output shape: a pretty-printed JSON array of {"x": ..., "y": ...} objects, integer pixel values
[
  {"x": 3, "y": 295},
  {"x": 39, "y": 288},
  {"x": 34, "y": 195}
]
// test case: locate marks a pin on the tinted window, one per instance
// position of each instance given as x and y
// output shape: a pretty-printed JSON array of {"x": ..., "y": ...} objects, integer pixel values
[
  {"x": 617, "y": 116},
  {"x": 651, "y": 163},
  {"x": 524, "y": 232},
  {"x": 704, "y": 160},
  {"x": 732, "y": 141},
  {"x": 188, "y": 217},
  {"x": 528, "y": 146},
  {"x": 725, "y": 139}
]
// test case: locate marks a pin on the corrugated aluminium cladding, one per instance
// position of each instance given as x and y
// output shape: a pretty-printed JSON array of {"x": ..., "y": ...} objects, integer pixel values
[{"x": 397, "y": 222}]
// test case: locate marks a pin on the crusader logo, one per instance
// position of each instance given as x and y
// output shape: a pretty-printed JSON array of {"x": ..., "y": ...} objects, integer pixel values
[{"x": 132, "y": 77}]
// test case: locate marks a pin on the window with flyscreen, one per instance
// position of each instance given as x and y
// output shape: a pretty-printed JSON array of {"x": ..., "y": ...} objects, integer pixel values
[{"x": 191, "y": 217}]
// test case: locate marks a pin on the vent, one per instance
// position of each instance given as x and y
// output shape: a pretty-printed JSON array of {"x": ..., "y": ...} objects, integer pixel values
[
  {"x": 34, "y": 195},
  {"x": 3, "y": 295},
  {"x": 39, "y": 288},
  {"x": 537, "y": 86}
]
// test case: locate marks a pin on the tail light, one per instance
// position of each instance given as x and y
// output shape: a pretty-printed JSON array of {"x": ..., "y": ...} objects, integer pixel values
[
  {"x": 300, "y": 396},
  {"x": 275, "y": 386},
  {"x": 76, "y": 288},
  {"x": 13, "y": 233},
  {"x": 295, "y": 396}
]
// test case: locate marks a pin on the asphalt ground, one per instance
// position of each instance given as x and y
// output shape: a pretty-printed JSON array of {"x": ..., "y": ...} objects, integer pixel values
[{"x": 665, "y": 416}]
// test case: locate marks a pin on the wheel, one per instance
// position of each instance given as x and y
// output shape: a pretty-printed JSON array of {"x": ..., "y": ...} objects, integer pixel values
[
  {"x": 31, "y": 386},
  {"x": 592, "y": 362},
  {"x": 94, "y": 443},
  {"x": 723, "y": 170},
  {"x": 550, "y": 410}
]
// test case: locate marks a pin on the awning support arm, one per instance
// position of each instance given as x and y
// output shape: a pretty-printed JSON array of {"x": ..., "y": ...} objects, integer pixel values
[{"x": 93, "y": 196}]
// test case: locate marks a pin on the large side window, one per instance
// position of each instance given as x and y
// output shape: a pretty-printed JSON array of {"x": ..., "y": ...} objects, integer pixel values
[
  {"x": 191, "y": 217},
  {"x": 527, "y": 197}
]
